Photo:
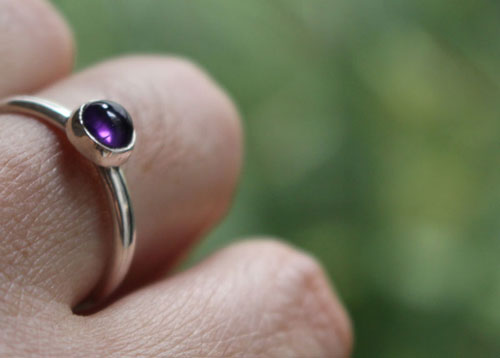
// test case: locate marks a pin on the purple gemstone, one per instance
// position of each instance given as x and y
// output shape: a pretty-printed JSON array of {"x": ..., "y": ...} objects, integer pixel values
[{"x": 109, "y": 123}]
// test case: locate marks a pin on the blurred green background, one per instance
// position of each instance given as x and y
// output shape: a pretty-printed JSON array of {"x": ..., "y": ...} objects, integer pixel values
[{"x": 373, "y": 141}]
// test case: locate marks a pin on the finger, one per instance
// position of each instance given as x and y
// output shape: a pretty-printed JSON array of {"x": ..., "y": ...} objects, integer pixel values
[
  {"x": 36, "y": 46},
  {"x": 181, "y": 175},
  {"x": 255, "y": 299}
]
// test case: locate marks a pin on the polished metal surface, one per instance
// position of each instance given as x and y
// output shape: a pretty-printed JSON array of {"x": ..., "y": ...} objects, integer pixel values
[
  {"x": 40, "y": 108},
  {"x": 114, "y": 181}
]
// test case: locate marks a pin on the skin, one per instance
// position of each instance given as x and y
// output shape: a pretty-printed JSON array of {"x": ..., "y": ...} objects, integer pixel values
[{"x": 257, "y": 298}]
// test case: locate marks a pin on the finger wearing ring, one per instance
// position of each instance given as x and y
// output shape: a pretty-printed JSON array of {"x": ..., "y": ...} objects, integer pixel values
[{"x": 103, "y": 132}]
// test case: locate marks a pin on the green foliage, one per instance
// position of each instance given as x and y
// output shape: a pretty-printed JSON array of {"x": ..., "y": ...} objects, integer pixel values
[{"x": 372, "y": 129}]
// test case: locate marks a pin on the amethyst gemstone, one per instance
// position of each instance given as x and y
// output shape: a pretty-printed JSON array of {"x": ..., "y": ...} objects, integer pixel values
[{"x": 109, "y": 123}]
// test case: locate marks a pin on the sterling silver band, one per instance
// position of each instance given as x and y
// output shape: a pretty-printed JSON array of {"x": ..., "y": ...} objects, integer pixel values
[{"x": 107, "y": 160}]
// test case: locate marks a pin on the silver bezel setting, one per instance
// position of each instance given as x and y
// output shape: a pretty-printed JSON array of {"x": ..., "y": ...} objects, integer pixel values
[{"x": 90, "y": 147}]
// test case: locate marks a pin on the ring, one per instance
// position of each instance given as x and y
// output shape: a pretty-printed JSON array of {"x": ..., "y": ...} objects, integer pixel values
[{"x": 103, "y": 132}]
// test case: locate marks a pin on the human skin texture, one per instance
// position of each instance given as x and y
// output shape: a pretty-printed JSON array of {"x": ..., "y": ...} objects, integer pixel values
[{"x": 257, "y": 298}]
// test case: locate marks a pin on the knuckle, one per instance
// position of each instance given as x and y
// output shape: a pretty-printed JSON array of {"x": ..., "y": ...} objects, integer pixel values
[
  {"x": 293, "y": 270},
  {"x": 303, "y": 305},
  {"x": 189, "y": 104}
]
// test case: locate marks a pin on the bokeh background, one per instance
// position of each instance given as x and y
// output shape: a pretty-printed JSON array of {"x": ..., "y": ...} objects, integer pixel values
[{"x": 373, "y": 142}]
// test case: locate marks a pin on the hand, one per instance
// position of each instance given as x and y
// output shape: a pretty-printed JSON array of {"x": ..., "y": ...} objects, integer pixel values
[{"x": 259, "y": 298}]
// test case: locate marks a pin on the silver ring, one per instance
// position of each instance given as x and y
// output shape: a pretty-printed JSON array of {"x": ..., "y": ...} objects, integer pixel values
[{"x": 103, "y": 132}]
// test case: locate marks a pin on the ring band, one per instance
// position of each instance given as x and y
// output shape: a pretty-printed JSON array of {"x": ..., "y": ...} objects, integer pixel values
[{"x": 103, "y": 132}]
